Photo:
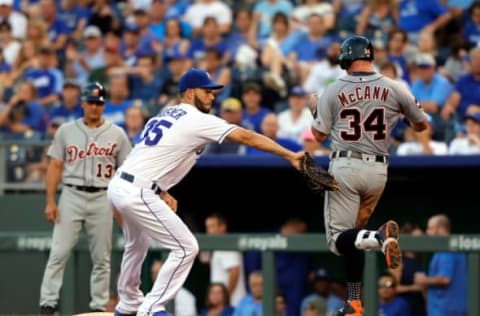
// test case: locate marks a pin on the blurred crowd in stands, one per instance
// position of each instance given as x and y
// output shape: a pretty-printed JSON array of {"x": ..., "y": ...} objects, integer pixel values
[{"x": 270, "y": 55}]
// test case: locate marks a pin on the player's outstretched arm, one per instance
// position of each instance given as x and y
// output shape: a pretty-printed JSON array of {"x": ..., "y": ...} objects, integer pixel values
[{"x": 250, "y": 138}]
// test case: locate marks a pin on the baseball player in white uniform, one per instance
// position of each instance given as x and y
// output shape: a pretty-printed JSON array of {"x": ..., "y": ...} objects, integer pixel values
[
  {"x": 358, "y": 111},
  {"x": 171, "y": 143},
  {"x": 83, "y": 156}
]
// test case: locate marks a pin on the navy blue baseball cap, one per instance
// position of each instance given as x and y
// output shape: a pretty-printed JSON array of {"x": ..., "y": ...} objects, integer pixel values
[{"x": 197, "y": 78}]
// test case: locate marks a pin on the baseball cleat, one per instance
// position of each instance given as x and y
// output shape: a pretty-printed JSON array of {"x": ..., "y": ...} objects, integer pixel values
[
  {"x": 48, "y": 310},
  {"x": 388, "y": 235},
  {"x": 351, "y": 308}
]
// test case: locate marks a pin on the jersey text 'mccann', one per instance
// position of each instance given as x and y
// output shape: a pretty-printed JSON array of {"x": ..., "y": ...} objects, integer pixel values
[{"x": 364, "y": 93}]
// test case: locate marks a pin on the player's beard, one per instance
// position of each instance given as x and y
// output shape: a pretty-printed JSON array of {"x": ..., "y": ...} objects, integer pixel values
[{"x": 200, "y": 104}]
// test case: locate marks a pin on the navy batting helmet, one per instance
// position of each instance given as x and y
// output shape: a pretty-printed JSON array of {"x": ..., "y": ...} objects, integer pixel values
[
  {"x": 93, "y": 92},
  {"x": 355, "y": 48}
]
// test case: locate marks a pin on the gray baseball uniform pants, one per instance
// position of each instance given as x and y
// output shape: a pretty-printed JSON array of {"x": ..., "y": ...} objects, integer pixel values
[
  {"x": 361, "y": 183},
  {"x": 77, "y": 209}
]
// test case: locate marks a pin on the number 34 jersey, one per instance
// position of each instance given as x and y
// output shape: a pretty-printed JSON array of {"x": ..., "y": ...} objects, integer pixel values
[
  {"x": 171, "y": 143},
  {"x": 90, "y": 155},
  {"x": 359, "y": 112}
]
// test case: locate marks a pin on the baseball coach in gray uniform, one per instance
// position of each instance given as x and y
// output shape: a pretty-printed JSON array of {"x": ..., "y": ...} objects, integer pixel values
[
  {"x": 358, "y": 111},
  {"x": 84, "y": 155}
]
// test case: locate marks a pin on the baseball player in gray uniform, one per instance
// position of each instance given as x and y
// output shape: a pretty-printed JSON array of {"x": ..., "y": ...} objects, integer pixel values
[
  {"x": 84, "y": 155},
  {"x": 358, "y": 111},
  {"x": 170, "y": 145}
]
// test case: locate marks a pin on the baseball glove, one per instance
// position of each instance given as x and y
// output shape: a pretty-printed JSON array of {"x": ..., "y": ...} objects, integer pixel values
[{"x": 318, "y": 179}]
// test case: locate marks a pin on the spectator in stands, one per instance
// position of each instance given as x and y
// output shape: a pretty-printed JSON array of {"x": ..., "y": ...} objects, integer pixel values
[
  {"x": 69, "y": 108},
  {"x": 422, "y": 15},
  {"x": 274, "y": 55},
  {"x": 306, "y": 8},
  {"x": 466, "y": 91},
  {"x": 25, "y": 60},
  {"x": 43, "y": 78},
  {"x": 244, "y": 34},
  {"x": 471, "y": 29},
  {"x": 226, "y": 267},
  {"x": 119, "y": 100},
  {"x": 37, "y": 170},
  {"x": 264, "y": 11},
  {"x": 113, "y": 65},
  {"x": 468, "y": 144},
  {"x": 198, "y": 12},
  {"x": 210, "y": 37},
  {"x": 404, "y": 275},
  {"x": 130, "y": 44},
  {"x": 103, "y": 16},
  {"x": 92, "y": 57},
  {"x": 147, "y": 40},
  {"x": 311, "y": 145},
  {"x": 427, "y": 44},
  {"x": 17, "y": 19},
  {"x": 421, "y": 143},
  {"x": 397, "y": 46},
  {"x": 390, "y": 70},
  {"x": 251, "y": 303},
  {"x": 177, "y": 64},
  {"x": 145, "y": 84},
  {"x": 253, "y": 112},
  {"x": 432, "y": 90},
  {"x": 22, "y": 117},
  {"x": 58, "y": 31},
  {"x": 75, "y": 15},
  {"x": 280, "y": 304},
  {"x": 310, "y": 46},
  {"x": 134, "y": 122},
  {"x": 5, "y": 74},
  {"x": 159, "y": 19},
  {"x": 230, "y": 111},
  {"x": 292, "y": 268},
  {"x": 175, "y": 41},
  {"x": 184, "y": 303},
  {"x": 219, "y": 73},
  {"x": 326, "y": 71},
  {"x": 457, "y": 63},
  {"x": 218, "y": 301},
  {"x": 321, "y": 300},
  {"x": 390, "y": 303},
  {"x": 37, "y": 32},
  {"x": 378, "y": 16},
  {"x": 446, "y": 282},
  {"x": 347, "y": 12},
  {"x": 294, "y": 120},
  {"x": 270, "y": 128},
  {"x": 10, "y": 46}
]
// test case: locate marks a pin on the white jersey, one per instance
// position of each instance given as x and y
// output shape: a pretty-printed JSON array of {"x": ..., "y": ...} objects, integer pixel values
[
  {"x": 462, "y": 146},
  {"x": 171, "y": 143}
]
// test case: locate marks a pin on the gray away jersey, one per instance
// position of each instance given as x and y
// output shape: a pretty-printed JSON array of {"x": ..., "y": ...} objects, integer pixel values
[
  {"x": 90, "y": 156},
  {"x": 359, "y": 112}
]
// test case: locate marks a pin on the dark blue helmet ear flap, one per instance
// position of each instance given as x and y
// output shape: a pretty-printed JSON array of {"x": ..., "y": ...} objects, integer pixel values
[{"x": 355, "y": 48}]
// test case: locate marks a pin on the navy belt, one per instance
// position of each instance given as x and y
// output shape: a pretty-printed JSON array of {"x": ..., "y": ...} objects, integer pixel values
[
  {"x": 131, "y": 178},
  {"x": 85, "y": 188},
  {"x": 358, "y": 155}
]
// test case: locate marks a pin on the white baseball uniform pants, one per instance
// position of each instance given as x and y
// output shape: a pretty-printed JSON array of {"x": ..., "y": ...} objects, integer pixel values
[{"x": 146, "y": 217}]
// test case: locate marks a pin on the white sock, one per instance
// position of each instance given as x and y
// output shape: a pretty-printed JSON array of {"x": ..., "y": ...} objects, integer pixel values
[{"x": 367, "y": 240}]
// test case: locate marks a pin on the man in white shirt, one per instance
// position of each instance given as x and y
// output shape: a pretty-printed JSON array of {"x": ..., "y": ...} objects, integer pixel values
[
  {"x": 470, "y": 144},
  {"x": 17, "y": 20},
  {"x": 226, "y": 266}
]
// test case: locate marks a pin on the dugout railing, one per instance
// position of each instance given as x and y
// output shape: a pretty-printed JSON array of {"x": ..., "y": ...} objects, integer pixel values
[{"x": 268, "y": 244}]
